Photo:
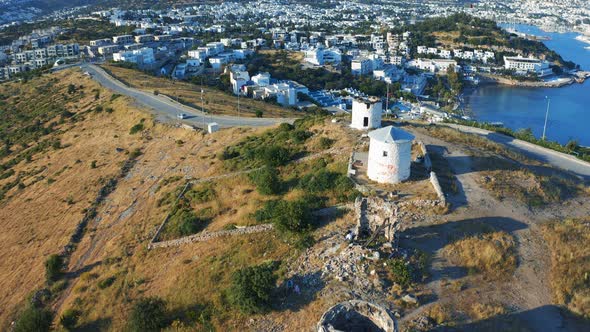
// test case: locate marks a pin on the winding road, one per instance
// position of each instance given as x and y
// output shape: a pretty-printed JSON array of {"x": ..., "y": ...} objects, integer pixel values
[
  {"x": 163, "y": 106},
  {"x": 554, "y": 158}
]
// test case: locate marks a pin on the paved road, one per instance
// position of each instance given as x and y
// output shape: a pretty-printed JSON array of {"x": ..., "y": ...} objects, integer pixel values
[
  {"x": 554, "y": 158},
  {"x": 165, "y": 107}
]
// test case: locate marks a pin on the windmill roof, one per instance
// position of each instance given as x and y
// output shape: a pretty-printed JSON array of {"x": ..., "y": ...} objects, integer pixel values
[{"x": 391, "y": 134}]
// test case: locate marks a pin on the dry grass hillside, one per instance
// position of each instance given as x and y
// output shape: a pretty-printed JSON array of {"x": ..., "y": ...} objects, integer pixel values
[
  {"x": 215, "y": 101},
  {"x": 72, "y": 150},
  {"x": 48, "y": 191}
]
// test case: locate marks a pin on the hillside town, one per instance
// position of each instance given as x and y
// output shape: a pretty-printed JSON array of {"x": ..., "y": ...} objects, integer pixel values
[
  {"x": 276, "y": 165},
  {"x": 201, "y": 40}
]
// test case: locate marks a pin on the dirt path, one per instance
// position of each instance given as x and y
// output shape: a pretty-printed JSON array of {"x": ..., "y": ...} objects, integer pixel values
[{"x": 528, "y": 290}]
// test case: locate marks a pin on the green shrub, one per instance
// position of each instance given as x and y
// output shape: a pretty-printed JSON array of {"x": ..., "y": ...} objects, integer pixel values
[
  {"x": 299, "y": 136},
  {"x": 251, "y": 288},
  {"x": 266, "y": 181},
  {"x": 319, "y": 181},
  {"x": 34, "y": 319},
  {"x": 325, "y": 143},
  {"x": 322, "y": 180},
  {"x": 288, "y": 217},
  {"x": 53, "y": 267},
  {"x": 107, "y": 282},
  {"x": 135, "y": 153},
  {"x": 93, "y": 164},
  {"x": 69, "y": 319},
  {"x": 274, "y": 156},
  {"x": 148, "y": 314},
  {"x": 402, "y": 273},
  {"x": 136, "y": 128},
  {"x": 258, "y": 113},
  {"x": 185, "y": 222},
  {"x": 201, "y": 194}
]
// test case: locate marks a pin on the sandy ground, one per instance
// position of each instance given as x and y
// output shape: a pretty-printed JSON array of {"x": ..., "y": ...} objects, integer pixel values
[{"x": 527, "y": 292}]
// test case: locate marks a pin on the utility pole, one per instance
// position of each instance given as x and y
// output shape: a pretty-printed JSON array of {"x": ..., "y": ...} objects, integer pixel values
[
  {"x": 546, "y": 116},
  {"x": 387, "y": 100},
  {"x": 202, "y": 107}
]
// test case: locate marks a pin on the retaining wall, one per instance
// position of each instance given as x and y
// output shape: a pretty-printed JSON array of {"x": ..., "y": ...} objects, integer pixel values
[
  {"x": 436, "y": 185},
  {"x": 212, "y": 235}
]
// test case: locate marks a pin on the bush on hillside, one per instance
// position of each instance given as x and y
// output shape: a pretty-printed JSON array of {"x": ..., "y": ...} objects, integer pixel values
[
  {"x": 53, "y": 267},
  {"x": 136, "y": 128},
  {"x": 69, "y": 319},
  {"x": 266, "y": 181},
  {"x": 274, "y": 156},
  {"x": 148, "y": 314},
  {"x": 251, "y": 288},
  {"x": 292, "y": 217},
  {"x": 34, "y": 319}
]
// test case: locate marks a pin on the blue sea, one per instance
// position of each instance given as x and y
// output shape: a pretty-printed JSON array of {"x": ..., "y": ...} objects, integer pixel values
[{"x": 517, "y": 107}]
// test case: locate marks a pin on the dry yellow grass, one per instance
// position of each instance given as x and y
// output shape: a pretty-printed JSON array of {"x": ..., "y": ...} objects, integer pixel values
[
  {"x": 528, "y": 187},
  {"x": 471, "y": 141},
  {"x": 490, "y": 253},
  {"x": 39, "y": 219},
  {"x": 216, "y": 102},
  {"x": 569, "y": 242},
  {"x": 480, "y": 311}
]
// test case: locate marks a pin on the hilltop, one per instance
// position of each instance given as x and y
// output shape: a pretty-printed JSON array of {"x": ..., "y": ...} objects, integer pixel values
[{"x": 74, "y": 151}]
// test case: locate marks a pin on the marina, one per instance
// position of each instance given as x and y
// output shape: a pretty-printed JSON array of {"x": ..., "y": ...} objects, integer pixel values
[{"x": 525, "y": 107}]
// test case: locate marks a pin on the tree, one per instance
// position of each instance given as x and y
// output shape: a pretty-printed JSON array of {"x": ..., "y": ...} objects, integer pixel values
[
  {"x": 572, "y": 145},
  {"x": 251, "y": 288},
  {"x": 33, "y": 319},
  {"x": 275, "y": 156},
  {"x": 148, "y": 314},
  {"x": 53, "y": 267},
  {"x": 69, "y": 319},
  {"x": 288, "y": 217},
  {"x": 266, "y": 180}
]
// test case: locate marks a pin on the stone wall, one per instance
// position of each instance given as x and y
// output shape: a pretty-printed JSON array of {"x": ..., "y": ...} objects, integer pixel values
[
  {"x": 376, "y": 214},
  {"x": 427, "y": 161},
  {"x": 436, "y": 185},
  {"x": 357, "y": 315},
  {"x": 206, "y": 236}
]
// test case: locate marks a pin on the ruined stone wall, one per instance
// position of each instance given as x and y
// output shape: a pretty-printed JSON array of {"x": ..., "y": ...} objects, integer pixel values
[
  {"x": 436, "y": 185},
  {"x": 208, "y": 236},
  {"x": 374, "y": 213},
  {"x": 357, "y": 315},
  {"x": 427, "y": 161}
]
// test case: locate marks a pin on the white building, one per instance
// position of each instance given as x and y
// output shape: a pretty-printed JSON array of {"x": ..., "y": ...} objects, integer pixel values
[
  {"x": 433, "y": 65},
  {"x": 122, "y": 40},
  {"x": 366, "y": 113},
  {"x": 262, "y": 79},
  {"x": 527, "y": 65},
  {"x": 238, "y": 79},
  {"x": 200, "y": 53},
  {"x": 142, "y": 56},
  {"x": 315, "y": 56},
  {"x": 320, "y": 56},
  {"x": 390, "y": 154},
  {"x": 361, "y": 66},
  {"x": 285, "y": 94}
]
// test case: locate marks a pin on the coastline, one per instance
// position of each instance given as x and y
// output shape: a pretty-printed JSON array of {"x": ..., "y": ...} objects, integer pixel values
[
  {"x": 583, "y": 39},
  {"x": 558, "y": 83}
]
